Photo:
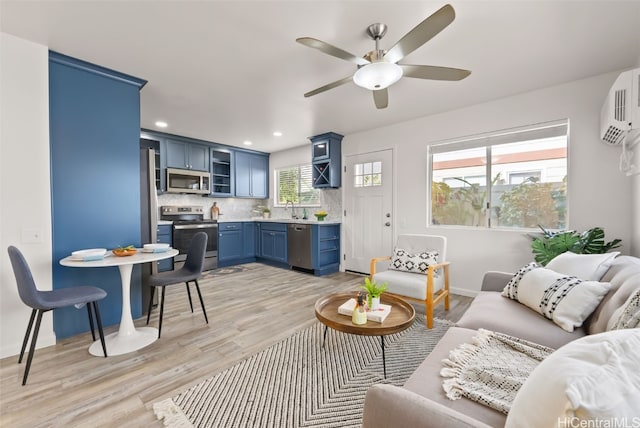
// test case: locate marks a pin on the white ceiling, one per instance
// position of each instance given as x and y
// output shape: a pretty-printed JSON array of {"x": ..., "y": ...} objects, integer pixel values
[{"x": 229, "y": 71}]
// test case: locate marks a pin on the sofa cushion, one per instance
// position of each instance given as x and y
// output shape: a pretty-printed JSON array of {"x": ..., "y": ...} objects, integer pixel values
[
  {"x": 624, "y": 277},
  {"x": 491, "y": 311},
  {"x": 407, "y": 283},
  {"x": 588, "y": 267},
  {"x": 566, "y": 300},
  {"x": 590, "y": 380},
  {"x": 416, "y": 263},
  {"x": 426, "y": 380}
]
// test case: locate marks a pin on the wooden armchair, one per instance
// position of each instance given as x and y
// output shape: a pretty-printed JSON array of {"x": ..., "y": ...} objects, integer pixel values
[{"x": 429, "y": 288}]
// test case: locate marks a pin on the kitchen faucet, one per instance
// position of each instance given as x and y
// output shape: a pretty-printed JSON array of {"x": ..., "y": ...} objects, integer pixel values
[{"x": 293, "y": 209}]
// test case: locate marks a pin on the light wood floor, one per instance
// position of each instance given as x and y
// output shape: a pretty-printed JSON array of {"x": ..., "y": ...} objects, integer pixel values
[{"x": 247, "y": 311}]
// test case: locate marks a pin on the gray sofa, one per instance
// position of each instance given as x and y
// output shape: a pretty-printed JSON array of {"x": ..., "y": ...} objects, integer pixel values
[{"x": 421, "y": 402}]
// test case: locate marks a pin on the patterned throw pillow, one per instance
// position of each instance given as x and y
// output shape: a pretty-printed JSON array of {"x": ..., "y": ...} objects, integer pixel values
[
  {"x": 565, "y": 300},
  {"x": 628, "y": 314},
  {"x": 417, "y": 263}
]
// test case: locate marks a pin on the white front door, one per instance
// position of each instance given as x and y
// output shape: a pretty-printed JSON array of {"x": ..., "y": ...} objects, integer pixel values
[{"x": 368, "y": 202}]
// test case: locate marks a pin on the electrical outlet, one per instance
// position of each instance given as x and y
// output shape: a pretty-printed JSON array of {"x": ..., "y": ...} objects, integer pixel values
[{"x": 31, "y": 236}]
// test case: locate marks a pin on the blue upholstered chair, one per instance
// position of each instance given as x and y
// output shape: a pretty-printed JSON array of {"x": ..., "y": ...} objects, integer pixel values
[
  {"x": 428, "y": 288},
  {"x": 190, "y": 272},
  {"x": 43, "y": 301}
]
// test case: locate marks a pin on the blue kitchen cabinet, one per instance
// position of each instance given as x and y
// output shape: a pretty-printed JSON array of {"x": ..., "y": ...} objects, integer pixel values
[
  {"x": 325, "y": 251},
  {"x": 230, "y": 243},
  {"x": 236, "y": 243},
  {"x": 251, "y": 175},
  {"x": 326, "y": 160},
  {"x": 273, "y": 242},
  {"x": 222, "y": 180},
  {"x": 185, "y": 155},
  {"x": 165, "y": 236},
  {"x": 249, "y": 239}
]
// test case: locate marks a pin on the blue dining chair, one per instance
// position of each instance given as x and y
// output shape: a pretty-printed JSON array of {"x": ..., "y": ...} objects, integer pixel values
[
  {"x": 43, "y": 301},
  {"x": 190, "y": 272}
]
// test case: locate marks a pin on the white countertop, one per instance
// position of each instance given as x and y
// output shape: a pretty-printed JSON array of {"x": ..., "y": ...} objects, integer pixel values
[
  {"x": 164, "y": 222},
  {"x": 277, "y": 220}
]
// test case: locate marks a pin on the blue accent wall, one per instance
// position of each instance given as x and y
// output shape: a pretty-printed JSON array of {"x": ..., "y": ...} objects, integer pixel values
[{"x": 94, "y": 118}]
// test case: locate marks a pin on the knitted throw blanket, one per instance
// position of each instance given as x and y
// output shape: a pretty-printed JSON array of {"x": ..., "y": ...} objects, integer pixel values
[{"x": 491, "y": 369}]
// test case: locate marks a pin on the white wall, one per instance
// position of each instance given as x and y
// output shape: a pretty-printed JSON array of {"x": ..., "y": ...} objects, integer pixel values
[
  {"x": 25, "y": 202},
  {"x": 598, "y": 192}
]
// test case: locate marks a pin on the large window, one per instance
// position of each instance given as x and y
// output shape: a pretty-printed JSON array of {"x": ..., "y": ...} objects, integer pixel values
[
  {"x": 515, "y": 178},
  {"x": 295, "y": 185}
]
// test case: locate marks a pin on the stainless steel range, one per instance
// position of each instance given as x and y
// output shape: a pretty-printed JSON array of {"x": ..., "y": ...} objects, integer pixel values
[{"x": 187, "y": 221}]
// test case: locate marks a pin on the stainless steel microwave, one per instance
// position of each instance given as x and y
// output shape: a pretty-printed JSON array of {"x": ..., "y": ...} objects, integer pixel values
[{"x": 188, "y": 181}]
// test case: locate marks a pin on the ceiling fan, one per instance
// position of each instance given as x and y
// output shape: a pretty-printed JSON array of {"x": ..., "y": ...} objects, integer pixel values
[{"x": 379, "y": 69}]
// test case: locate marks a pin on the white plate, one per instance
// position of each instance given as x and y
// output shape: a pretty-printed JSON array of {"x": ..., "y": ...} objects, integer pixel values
[
  {"x": 156, "y": 250},
  {"x": 156, "y": 246},
  {"x": 89, "y": 254}
]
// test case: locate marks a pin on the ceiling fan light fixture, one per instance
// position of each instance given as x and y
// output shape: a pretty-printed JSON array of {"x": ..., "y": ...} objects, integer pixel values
[{"x": 377, "y": 75}]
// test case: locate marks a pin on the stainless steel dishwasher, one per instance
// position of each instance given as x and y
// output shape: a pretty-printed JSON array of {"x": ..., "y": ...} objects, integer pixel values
[{"x": 299, "y": 245}]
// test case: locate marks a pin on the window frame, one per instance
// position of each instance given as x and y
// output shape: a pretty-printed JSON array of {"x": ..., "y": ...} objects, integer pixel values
[
  {"x": 276, "y": 191},
  {"x": 489, "y": 140}
]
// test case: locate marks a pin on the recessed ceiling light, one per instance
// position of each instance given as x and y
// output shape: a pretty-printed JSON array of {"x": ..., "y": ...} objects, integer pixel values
[
  {"x": 248, "y": 143},
  {"x": 161, "y": 124},
  {"x": 277, "y": 134}
]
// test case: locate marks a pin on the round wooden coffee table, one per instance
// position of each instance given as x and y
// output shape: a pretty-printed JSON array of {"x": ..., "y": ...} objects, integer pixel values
[{"x": 400, "y": 318}]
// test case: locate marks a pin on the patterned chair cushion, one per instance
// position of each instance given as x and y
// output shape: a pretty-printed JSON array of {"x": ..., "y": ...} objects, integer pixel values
[{"x": 416, "y": 263}]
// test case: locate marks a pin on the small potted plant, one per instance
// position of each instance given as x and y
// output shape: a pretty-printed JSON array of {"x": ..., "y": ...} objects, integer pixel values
[
  {"x": 266, "y": 212},
  {"x": 373, "y": 292}
]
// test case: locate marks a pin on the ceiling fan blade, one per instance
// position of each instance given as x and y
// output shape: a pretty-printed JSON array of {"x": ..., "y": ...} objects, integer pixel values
[
  {"x": 331, "y": 50},
  {"x": 381, "y": 98},
  {"x": 433, "y": 73},
  {"x": 328, "y": 86},
  {"x": 421, "y": 33}
]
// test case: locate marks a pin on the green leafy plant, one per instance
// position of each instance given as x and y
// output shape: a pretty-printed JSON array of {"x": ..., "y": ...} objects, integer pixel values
[
  {"x": 549, "y": 244},
  {"x": 373, "y": 289}
]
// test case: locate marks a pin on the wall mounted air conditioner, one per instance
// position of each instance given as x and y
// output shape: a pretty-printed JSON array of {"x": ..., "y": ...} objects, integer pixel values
[{"x": 620, "y": 112}]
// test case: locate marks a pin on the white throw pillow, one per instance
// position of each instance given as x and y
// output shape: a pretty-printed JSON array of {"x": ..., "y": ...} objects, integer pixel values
[
  {"x": 594, "y": 379},
  {"x": 588, "y": 267},
  {"x": 417, "y": 263},
  {"x": 566, "y": 300}
]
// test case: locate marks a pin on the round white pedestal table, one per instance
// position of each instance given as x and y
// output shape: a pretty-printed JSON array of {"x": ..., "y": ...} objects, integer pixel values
[{"x": 128, "y": 338}]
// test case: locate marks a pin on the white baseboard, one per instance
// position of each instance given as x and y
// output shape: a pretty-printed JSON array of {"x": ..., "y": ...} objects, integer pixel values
[{"x": 14, "y": 348}]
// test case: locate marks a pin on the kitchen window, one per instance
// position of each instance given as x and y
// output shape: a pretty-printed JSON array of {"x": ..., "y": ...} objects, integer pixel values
[
  {"x": 295, "y": 184},
  {"x": 509, "y": 179}
]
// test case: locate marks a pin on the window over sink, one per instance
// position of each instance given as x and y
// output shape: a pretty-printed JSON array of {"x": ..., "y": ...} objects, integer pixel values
[{"x": 295, "y": 184}]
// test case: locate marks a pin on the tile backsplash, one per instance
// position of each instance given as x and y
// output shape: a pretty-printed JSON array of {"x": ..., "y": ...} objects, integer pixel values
[{"x": 240, "y": 208}]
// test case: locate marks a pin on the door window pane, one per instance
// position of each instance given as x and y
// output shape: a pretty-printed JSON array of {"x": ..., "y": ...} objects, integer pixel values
[{"x": 367, "y": 174}]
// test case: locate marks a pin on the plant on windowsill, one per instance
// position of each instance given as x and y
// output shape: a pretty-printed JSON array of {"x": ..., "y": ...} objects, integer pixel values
[
  {"x": 549, "y": 244},
  {"x": 373, "y": 292}
]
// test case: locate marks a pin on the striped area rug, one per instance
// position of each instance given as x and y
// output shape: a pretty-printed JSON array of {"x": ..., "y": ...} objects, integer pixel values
[{"x": 299, "y": 383}]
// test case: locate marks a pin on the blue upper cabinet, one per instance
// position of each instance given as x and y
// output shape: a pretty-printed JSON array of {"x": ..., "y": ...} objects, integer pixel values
[
  {"x": 251, "y": 175},
  {"x": 186, "y": 155},
  {"x": 95, "y": 179},
  {"x": 222, "y": 182},
  {"x": 326, "y": 160}
]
